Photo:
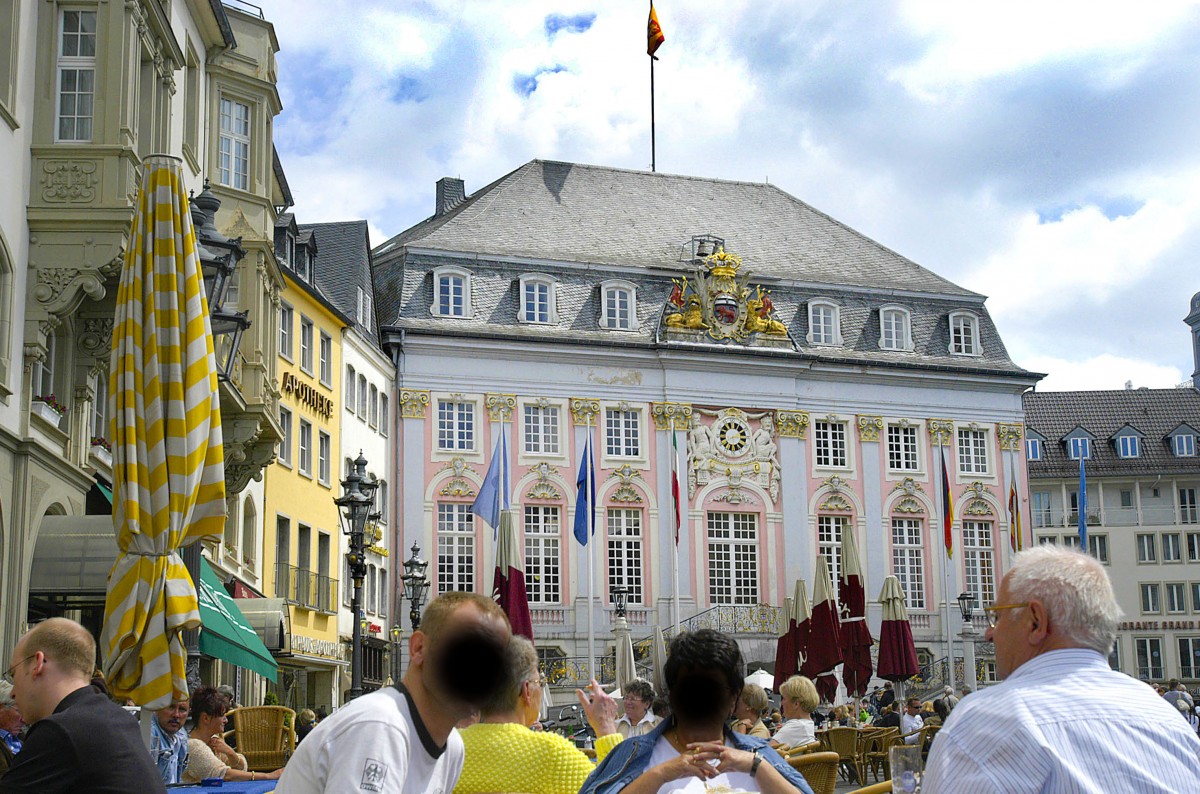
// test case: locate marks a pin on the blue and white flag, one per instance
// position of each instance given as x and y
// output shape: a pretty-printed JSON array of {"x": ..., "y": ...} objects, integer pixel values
[
  {"x": 585, "y": 500},
  {"x": 493, "y": 494},
  {"x": 1083, "y": 543}
]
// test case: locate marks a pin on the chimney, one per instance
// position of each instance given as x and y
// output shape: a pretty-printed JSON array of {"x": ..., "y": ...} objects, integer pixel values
[{"x": 450, "y": 193}]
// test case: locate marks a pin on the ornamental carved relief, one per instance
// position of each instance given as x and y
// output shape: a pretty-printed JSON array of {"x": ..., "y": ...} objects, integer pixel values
[
  {"x": 585, "y": 410},
  {"x": 909, "y": 503},
  {"x": 792, "y": 424},
  {"x": 671, "y": 416},
  {"x": 544, "y": 488},
  {"x": 1009, "y": 436},
  {"x": 940, "y": 431},
  {"x": 977, "y": 505},
  {"x": 625, "y": 492},
  {"x": 836, "y": 503},
  {"x": 500, "y": 406},
  {"x": 68, "y": 181},
  {"x": 869, "y": 427},
  {"x": 457, "y": 485},
  {"x": 413, "y": 403},
  {"x": 59, "y": 287},
  {"x": 718, "y": 303},
  {"x": 96, "y": 338},
  {"x": 730, "y": 445}
]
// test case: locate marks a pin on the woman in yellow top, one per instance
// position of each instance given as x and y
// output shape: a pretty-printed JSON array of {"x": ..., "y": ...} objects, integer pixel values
[{"x": 503, "y": 754}]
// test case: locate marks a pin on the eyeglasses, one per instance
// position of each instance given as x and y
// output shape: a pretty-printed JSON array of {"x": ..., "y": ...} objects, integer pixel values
[
  {"x": 991, "y": 612},
  {"x": 8, "y": 674}
]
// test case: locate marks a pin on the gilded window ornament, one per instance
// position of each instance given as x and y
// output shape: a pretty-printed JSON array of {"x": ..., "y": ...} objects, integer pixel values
[
  {"x": 584, "y": 410},
  {"x": 500, "y": 406},
  {"x": 869, "y": 427},
  {"x": 940, "y": 431},
  {"x": 413, "y": 403},
  {"x": 792, "y": 424}
]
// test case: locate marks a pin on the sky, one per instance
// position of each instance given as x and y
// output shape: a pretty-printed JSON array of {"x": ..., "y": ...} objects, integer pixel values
[{"x": 1043, "y": 154}]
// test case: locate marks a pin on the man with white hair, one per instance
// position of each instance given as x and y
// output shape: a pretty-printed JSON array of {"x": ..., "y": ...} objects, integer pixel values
[
  {"x": 948, "y": 696},
  {"x": 1062, "y": 720},
  {"x": 10, "y": 727}
]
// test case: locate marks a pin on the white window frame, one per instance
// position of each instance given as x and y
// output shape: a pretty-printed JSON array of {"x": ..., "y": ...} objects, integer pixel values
[
  {"x": 979, "y": 560},
  {"x": 962, "y": 344},
  {"x": 373, "y": 406},
  {"x": 458, "y": 427},
  {"x": 835, "y": 329},
  {"x": 625, "y": 551},
  {"x": 1189, "y": 656},
  {"x": 79, "y": 65},
  {"x": 972, "y": 448},
  {"x": 383, "y": 414},
  {"x": 307, "y": 331},
  {"x": 733, "y": 558},
  {"x": 1188, "y": 513},
  {"x": 435, "y": 308},
  {"x": 324, "y": 453},
  {"x": 456, "y": 564},
  {"x": 1040, "y": 509},
  {"x": 1183, "y": 445},
  {"x": 1146, "y": 545},
  {"x": 899, "y": 445},
  {"x": 537, "y": 282},
  {"x": 610, "y": 316},
  {"x": 831, "y": 444},
  {"x": 1079, "y": 447},
  {"x": 233, "y": 143},
  {"x": 830, "y": 531},
  {"x": 623, "y": 432},
  {"x": 1129, "y": 446},
  {"x": 363, "y": 308},
  {"x": 543, "y": 554},
  {"x": 287, "y": 318},
  {"x": 98, "y": 421},
  {"x": 892, "y": 337},
  {"x": 1150, "y": 598},
  {"x": 908, "y": 559},
  {"x": 326, "y": 359},
  {"x": 284, "y": 451},
  {"x": 362, "y": 396},
  {"x": 351, "y": 388},
  {"x": 1175, "y": 598},
  {"x": 542, "y": 429},
  {"x": 1143, "y": 647},
  {"x": 304, "y": 449},
  {"x": 1033, "y": 449},
  {"x": 1172, "y": 547}
]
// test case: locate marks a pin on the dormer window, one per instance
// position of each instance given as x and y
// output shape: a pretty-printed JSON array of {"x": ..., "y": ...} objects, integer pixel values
[
  {"x": 1127, "y": 442},
  {"x": 895, "y": 329},
  {"x": 1033, "y": 449},
  {"x": 964, "y": 334},
  {"x": 302, "y": 264},
  {"x": 1185, "y": 446},
  {"x": 618, "y": 308},
  {"x": 1078, "y": 448},
  {"x": 451, "y": 293},
  {"x": 538, "y": 300},
  {"x": 824, "y": 323}
]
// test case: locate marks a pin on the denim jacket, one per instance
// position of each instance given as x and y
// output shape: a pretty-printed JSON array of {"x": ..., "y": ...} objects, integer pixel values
[{"x": 631, "y": 757}]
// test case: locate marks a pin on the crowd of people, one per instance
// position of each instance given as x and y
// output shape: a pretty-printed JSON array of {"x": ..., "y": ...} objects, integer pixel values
[{"x": 465, "y": 716}]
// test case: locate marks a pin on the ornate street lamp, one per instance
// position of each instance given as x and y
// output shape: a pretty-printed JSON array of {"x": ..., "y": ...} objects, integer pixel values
[
  {"x": 416, "y": 585},
  {"x": 357, "y": 503},
  {"x": 966, "y": 606},
  {"x": 397, "y": 635},
  {"x": 219, "y": 258},
  {"x": 620, "y": 599}
]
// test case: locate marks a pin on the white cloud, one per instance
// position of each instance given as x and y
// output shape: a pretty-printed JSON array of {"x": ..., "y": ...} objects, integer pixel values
[{"x": 1100, "y": 372}]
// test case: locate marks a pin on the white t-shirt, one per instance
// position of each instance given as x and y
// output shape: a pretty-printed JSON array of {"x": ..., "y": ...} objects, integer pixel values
[
  {"x": 373, "y": 744},
  {"x": 796, "y": 733},
  {"x": 724, "y": 783}
]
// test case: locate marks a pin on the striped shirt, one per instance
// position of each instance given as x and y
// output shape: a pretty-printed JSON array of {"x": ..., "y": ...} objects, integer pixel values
[{"x": 1064, "y": 722}]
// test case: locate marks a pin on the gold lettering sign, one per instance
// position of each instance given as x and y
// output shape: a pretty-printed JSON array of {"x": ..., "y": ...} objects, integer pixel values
[{"x": 307, "y": 395}]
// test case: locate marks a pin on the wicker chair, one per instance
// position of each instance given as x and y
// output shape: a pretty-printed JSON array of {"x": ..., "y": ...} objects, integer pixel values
[
  {"x": 265, "y": 735},
  {"x": 819, "y": 769},
  {"x": 873, "y": 752},
  {"x": 803, "y": 749},
  {"x": 879, "y": 788},
  {"x": 844, "y": 742}
]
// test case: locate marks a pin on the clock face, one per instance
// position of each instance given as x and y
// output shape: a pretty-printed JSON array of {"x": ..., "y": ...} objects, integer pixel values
[{"x": 733, "y": 436}]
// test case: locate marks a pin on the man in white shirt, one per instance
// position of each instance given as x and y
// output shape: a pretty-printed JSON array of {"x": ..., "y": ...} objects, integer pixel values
[
  {"x": 402, "y": 738},
  {"x": 638, "y": 719},
  {"x": 911, "y": 721},
  {"x": 1062, "y": 720}
]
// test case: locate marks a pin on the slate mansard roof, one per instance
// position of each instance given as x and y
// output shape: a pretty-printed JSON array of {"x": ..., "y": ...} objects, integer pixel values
[
  {"x": 343, "y": 265},
  {"x": 584, "y": 224},
  {"x": 1154, "y": 412}
]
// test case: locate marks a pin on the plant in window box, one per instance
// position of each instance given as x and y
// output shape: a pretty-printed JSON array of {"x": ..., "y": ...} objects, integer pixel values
[
  {"x": 102, "y": 450},
  {"x": 49, "y": 408}
]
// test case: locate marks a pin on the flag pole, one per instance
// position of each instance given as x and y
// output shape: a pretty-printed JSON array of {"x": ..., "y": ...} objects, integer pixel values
[
  {"x": 591, "y": 555},
  {"x": 682, "y": 511},
  {"x": 652, "y": 149},
  {"x": 947, "y": 573}
]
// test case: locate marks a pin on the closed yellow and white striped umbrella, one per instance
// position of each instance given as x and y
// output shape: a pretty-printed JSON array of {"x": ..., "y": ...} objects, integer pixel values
[{"x": 168, "y": 462}]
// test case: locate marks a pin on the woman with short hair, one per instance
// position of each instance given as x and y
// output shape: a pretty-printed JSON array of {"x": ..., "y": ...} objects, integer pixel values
[
  {"x": 751, "y": 707},
  {"x": 800, "y": 699},
  {"x": 208, "y": 754}
]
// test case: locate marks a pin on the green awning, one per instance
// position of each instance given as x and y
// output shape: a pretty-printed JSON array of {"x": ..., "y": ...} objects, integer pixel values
[
  {"x": 107, "y": 492},
  {"x": 226, "y": 634}
]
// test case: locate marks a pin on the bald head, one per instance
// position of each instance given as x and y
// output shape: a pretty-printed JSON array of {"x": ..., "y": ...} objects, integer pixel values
[
  {"x": 64, "y": 642},
  {"x": 54, "y": 658}
]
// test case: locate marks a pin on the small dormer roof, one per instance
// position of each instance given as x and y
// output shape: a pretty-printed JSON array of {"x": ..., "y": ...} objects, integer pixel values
[
  {"x": 1126, "y": 430},
  {"x": 1079, "y": 432}
]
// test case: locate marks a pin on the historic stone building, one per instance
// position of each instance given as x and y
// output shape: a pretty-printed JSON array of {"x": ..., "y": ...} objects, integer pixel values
[{"x": 813, "y": 380}]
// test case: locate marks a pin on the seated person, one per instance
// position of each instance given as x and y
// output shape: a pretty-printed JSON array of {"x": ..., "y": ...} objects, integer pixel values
[
  {"x": 208, "y": 754},
  {"x": 503, "y": 754},
  {"x": 10, "y": 727},
  {"x": 748, "y": 715},
  {"x": 692, "y": 751},
  {"x": 169, "y": 741},
  {"x": 800, "y": 699},
  {"x": 307, "y": 719},
  {"x": 638, "y": 719},
  {"x": 888, "y": 718}
]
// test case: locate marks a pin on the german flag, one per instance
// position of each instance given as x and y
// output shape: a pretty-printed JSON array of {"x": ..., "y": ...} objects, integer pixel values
[
  {"x": 654, "y": 34},
  {"x": 947, "y": 508}
]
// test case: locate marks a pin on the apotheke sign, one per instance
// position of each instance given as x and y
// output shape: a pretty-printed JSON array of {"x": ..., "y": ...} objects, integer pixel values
[
  {"x": 307, "y": 395},
  {"x": 312, "y": 646}
]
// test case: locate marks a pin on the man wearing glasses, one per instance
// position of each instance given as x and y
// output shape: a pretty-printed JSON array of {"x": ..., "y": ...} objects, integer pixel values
[
  {"x": 78, "y": 739},
  {"x": 1062, "y": 720}
]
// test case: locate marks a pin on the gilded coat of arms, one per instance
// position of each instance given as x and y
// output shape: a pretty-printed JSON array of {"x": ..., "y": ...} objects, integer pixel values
[{"x": 719, "y": 302}]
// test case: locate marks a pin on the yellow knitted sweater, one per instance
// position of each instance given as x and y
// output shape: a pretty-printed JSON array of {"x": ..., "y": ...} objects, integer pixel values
[{"x": 510, "y": 757}]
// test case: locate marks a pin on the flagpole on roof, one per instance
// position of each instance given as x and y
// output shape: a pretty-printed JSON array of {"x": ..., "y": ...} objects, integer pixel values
[{"x": 654, "y": 40}]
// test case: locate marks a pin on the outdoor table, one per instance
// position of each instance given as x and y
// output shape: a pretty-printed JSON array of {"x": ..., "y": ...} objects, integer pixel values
[{"x": 230, "y": 787}]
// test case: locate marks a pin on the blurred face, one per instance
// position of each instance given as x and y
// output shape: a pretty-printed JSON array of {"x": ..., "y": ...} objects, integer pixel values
[
  {"x": 635, "y": 708},
  {"x": 463, "y": 666},
  {"x": 913, "y": 707},
  {"x": 533, "y": 689},
  {"x": 171, "y": 718}
]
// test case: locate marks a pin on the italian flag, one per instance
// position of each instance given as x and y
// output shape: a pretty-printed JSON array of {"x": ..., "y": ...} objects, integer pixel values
[{"x": 675, "y": 482}]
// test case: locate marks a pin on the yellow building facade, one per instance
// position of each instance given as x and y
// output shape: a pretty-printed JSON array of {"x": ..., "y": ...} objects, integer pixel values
[{"x": 302, "y": 546}]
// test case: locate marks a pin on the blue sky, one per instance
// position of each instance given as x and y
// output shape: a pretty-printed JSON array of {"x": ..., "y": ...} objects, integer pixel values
[{"x": 1042, "y": 154}]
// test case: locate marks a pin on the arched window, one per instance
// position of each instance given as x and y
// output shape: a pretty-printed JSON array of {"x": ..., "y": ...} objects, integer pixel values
[
  {"x": 351, "y": 382},
  {"x": 231, "y": 534},
  {"x": 539, "y": 303},
  {"x": 895, "y": 328},
  {"x": 824, "y": 323},
  {"x": 964, "y": 334},
  {"x": 249, "y": 531},
  {"x": 618, "y": 305},
  {"x": 451, "y": 293}
]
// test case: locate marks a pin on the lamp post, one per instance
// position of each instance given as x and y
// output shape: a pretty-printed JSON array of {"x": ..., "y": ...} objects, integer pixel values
[
  {"x": 966, "y": 607},
  {"x": 416, "y": 585},
  {"x": 397, "y": 634},
  {"x": 620, "y": 599},
  {"x": 357, "y": 504}
]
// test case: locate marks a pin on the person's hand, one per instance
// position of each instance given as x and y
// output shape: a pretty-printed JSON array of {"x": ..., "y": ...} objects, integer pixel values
[
  {"x": 537, "y": 726},
  {"x": 599, "y": 708},
  {"x": 686, "y": 764},
  {"x": 729, "y": 759}
]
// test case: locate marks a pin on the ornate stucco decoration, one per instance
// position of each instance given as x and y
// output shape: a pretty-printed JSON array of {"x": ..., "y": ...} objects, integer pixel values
[
  {"x": 500, "y": 406},
  {"x": 719, "y": 304},
  {"x": 976, "y": 504},
  {"x": 544, "y": 487},
  {"x": 58, "y": 288},
  {"x": 792, "y": 424},
  {"x": 735, "y": 495},
  {"x": 625, "y": 492},
  {"x": 457, "y": 485},
  {"x": 96, "y": 338},
  {"x": 909, "y": 502},
  {"x": 940, "y": 431},
  {"x": 671, "y": 416},
  {"x": 69, "y": 181},
  {"x": 585, "y": 410},
  {"x": 731, "y": 444},
  {"x": 413, "y": 403},
  {"x": 869, "y": 427},
  {"x": 836, "y": 503},
  {"x": 1010, "y": 436}
]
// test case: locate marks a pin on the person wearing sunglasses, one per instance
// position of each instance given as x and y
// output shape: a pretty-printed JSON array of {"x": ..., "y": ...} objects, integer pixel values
[{"x": 1062, "y": 720}]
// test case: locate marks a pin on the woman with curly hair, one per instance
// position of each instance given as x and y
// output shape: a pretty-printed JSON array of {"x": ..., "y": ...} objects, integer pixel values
[{"x": 208, "y": 754}]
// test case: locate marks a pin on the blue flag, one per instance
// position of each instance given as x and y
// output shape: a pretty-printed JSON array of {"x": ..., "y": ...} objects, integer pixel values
[
  {"x": 493, "y": 494},
  {"x": 585, "y": 500},
  {"x": 1083, "y": 544}
]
